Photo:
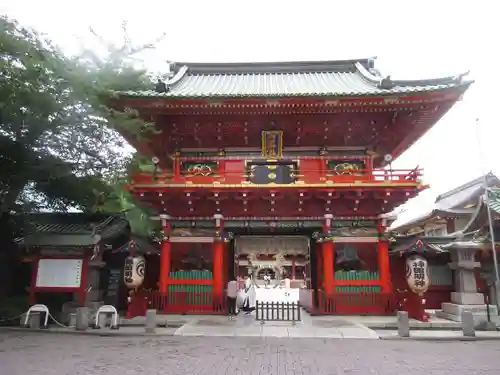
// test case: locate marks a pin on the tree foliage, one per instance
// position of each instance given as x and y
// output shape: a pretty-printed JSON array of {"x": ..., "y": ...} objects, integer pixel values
[
  {"x": 59, "y": 144},
  {"x": 57, "y": 136}
]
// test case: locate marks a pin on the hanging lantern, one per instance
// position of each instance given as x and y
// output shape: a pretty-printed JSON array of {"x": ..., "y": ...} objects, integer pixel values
[
  {"x": 417, "y": 274},
  {"x": 134, "y": 269}
]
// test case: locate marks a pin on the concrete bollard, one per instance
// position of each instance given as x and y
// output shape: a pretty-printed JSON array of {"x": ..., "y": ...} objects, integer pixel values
[
  {"x": 21, "y": 321},
  {"x": 403, "y": 324},
  {"x": 150, "y": 321},
  {"x": 34, "y": 320},
  {"x": 468, "y": 324},
  {"x": 72, "y": 319},
  {"x": 103, "y": 320},
  {"x": 82, "y": 319}
]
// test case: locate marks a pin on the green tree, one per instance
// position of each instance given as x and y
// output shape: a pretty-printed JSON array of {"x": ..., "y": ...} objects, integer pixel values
[{"x": 59, "y": 146}]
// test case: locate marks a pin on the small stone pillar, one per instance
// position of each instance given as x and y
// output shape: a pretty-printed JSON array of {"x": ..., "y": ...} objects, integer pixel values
[
  {"x": 150, "y": 326},
  {"x": 403, "y": 324},
  {"x": 82, "y": 319},
  {"x": 468, "y": 324},
  {"x": 103, "y": 320},
  {"x": 34, "y": 320}
]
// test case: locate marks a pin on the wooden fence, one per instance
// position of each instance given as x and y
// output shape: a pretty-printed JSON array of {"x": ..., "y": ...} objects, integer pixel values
[{"x": 277, "y": 311}]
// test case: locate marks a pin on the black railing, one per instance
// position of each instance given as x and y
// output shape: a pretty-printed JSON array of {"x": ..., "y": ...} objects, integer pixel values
[{"x": 277, "y": 311}]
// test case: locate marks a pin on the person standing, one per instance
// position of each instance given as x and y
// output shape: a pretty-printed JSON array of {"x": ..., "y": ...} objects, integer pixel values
[
  {"x": 250, "y": 297},
  {"x": 232, "y": 294}
]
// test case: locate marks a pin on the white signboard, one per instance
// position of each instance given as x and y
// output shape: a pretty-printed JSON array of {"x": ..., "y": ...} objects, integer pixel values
[
  {"x": 277, "y": 295},
  {"x": 59, "y": 273}
]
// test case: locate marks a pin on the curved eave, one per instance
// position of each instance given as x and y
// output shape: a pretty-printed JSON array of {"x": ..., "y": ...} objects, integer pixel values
[
  {"x": 434, "y": 81},
  {"x": 407, "y": 91}
]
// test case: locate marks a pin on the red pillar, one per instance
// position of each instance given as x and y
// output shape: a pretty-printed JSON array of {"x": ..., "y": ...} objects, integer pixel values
[
  {"x": 218, "y": 253},
  {"x": 383, "y": 260},
  {"x": 218, "y": 257},
  {"x": 165, "y": 257},
  {"x": 384, "y": 267},
  {"x": 328, "y": 267},
  {"x": 222, "y": 169},
  {"x": 177, "y": 166},
  {"x": 293, "y": 269},
  {"x": 328, "y": 258}
]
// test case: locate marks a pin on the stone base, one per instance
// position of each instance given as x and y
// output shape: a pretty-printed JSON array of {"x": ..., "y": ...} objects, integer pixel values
[
  {"x": 453, "y": 311},
  {"x": 487, "y": 326},
  {"x": 461, "y": 298}
]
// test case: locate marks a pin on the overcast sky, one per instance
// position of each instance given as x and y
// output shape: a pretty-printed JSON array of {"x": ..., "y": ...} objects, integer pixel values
[{"x": 423, "y": 39}]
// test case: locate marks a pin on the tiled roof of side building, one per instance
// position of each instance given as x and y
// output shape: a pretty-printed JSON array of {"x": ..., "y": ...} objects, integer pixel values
[
  {"x": 72, "y": 229},
  {"x": 289, "y": 79},
  {"x": 454, "y": 202}
]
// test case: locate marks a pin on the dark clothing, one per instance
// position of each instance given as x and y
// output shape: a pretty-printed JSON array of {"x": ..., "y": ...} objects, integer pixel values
[
  {"x": 246, "y": 306},
  {"x": 231, "y": 304}
]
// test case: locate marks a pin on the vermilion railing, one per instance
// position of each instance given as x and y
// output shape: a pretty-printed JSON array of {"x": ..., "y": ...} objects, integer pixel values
[
  {"x": 300, "y": 175},
  {"x": 177, "y": 303},
  {"x": 364, "y": 303}
]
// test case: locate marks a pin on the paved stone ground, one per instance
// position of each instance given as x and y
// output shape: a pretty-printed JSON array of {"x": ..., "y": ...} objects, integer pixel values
[{"x": 52, "y": 354}]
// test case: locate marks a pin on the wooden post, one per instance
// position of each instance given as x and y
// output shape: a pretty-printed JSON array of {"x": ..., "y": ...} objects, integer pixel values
[
  {"x": 218, "y": 256},
  {"x": 34, "y": 273},
  {"x": 328, "y": 249},
  {"x": 82, "y": 293},
  {"x": 165, "y": 256}
]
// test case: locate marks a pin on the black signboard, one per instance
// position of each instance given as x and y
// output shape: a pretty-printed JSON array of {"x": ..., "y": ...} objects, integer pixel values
[
  {"x": 263, "y": 173},
  {"x": 113, "y": 289}
]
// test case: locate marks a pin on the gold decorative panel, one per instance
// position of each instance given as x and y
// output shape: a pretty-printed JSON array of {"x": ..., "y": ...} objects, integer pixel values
[{"x": 272, "y": 144}]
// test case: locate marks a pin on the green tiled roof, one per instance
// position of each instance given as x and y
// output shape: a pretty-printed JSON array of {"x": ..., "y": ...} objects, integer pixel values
[
  {"x": 72, "y": 229},
  {"x": 288, "y": 79},
  {"x": 494, "y": 199}
]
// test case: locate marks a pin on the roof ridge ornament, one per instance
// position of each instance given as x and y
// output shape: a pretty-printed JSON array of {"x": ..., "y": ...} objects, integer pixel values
[
  {"x": 386, "y": 83},
  {"x": 460, "y": 77},
  {"x": 171, "y": 77}
]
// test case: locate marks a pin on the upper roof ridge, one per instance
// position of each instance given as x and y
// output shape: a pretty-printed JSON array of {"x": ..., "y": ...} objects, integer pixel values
[{"x": 274, "y": 67}]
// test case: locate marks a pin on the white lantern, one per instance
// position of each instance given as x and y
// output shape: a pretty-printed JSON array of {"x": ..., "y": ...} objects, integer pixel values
[
  {"x": 417, "y": 274},
  {"x": 134, "y": 269}
]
